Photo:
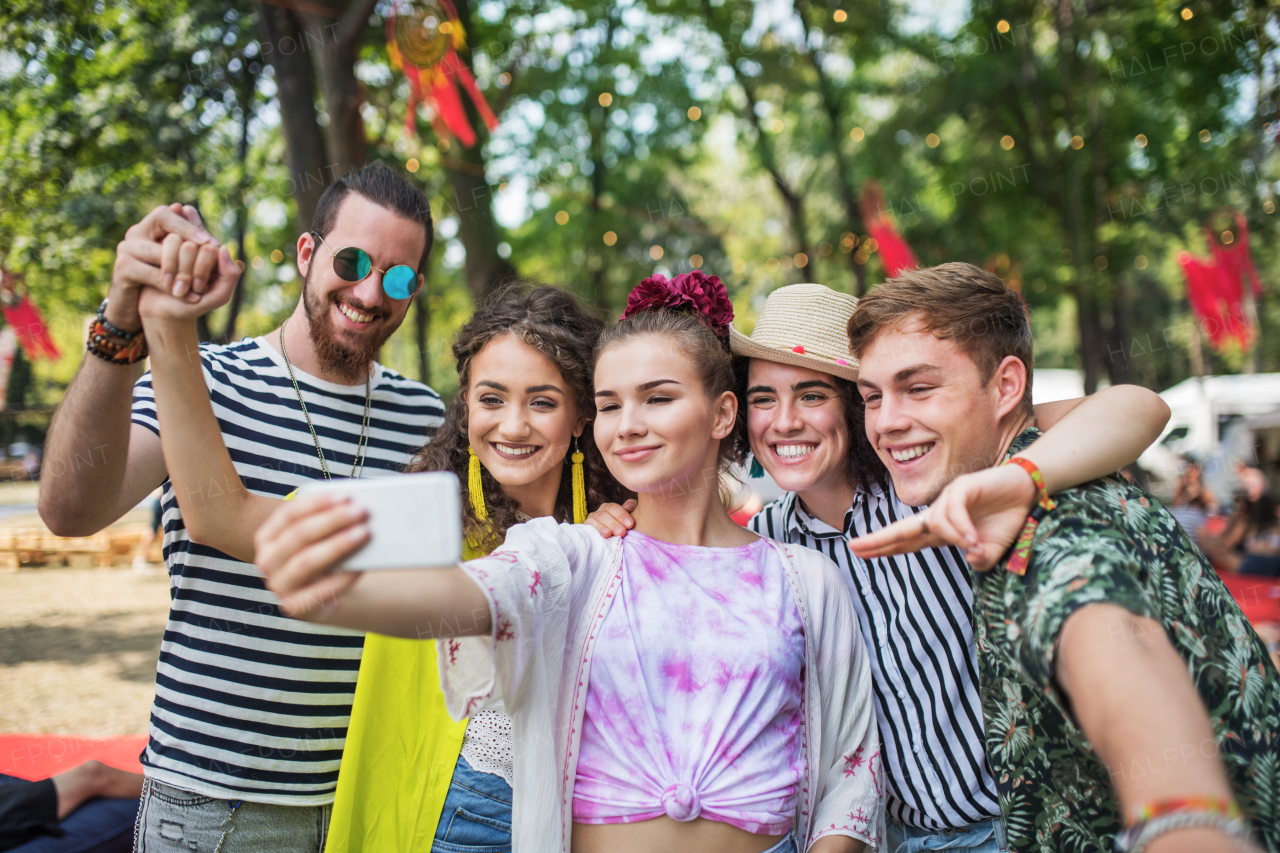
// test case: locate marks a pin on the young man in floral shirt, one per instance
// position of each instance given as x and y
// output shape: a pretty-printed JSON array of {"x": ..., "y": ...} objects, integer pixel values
[{"x": 1125, "y": 696}]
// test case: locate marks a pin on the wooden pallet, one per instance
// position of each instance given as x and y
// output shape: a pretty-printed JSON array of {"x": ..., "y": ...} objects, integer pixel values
[{"x": 36, "y": 546}]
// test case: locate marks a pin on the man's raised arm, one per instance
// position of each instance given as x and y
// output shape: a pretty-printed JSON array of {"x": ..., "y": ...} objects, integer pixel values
[{"x": 97, "y": 464}]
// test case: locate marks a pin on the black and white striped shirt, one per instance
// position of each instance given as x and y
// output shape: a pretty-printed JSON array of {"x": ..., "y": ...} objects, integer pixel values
[
  {"x": 249, "y": 703},
  {"x": 916, "y": 612}
]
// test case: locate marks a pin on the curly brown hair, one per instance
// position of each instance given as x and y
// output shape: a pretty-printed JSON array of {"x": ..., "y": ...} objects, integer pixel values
[{"x": 553, "y": 322}]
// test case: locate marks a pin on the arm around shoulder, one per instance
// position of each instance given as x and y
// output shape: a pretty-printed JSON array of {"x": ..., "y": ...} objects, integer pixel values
[{"x": 1094, "y": 436}]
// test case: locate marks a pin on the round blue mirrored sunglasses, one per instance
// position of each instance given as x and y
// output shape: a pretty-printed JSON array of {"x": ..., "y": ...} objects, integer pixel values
[{"x": 352, "y": 264}]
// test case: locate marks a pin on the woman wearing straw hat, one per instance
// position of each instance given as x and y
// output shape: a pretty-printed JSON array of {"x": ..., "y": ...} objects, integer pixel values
[{"x": 805, "y": 424}]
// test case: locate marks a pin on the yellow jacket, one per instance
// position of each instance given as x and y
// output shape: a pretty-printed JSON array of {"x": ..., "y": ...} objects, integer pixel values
[{"x": 400, "y": 752}]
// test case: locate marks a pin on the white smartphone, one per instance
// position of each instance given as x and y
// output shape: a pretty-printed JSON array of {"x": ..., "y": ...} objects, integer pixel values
[{"x": 415, "y": 520}]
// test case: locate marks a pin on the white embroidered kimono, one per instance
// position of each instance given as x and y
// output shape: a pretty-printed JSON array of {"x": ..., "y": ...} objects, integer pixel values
[{"x": 549, "y": 587}]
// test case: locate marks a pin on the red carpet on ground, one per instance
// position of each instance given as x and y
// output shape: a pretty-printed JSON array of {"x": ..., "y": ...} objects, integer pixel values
[
  {"x": 1258, "y": 597},
  {"x": 41, "y": 756}
]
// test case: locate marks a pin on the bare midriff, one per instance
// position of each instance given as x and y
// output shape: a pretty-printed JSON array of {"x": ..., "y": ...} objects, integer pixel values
[{"x": 664, "y": 834}]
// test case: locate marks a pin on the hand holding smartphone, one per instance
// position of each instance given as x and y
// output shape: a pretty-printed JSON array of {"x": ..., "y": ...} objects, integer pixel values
[{"x": 415, "y": 520}]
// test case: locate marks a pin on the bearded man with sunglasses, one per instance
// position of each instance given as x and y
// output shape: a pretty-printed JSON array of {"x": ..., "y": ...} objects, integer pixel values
[{"x": 251, "y": 708}]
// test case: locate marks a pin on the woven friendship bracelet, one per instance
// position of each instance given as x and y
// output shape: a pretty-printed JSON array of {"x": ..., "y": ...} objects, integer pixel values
[
  {"x": 1160, "y": 808},
  {"x": 1022, "y": 548},
  {"x": 1155, "y": 819}
]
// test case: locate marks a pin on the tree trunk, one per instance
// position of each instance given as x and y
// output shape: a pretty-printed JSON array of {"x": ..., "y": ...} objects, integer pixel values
[
  {"x": 848, "y": 195},
  {"x": 472, "y": 196},
  {"x": 596, "y": 258},
  {"x": 598, "y": 122},
  {"x": 1116, "y": 340},
  {"x": 283, "y": 41},
  {"x": 791, "y": 197},
  {"x": 246, "y": 96},
  {"x": 1120, "y": 349},
  {"x": 1088, "y": 319},
  {"x": 334, "y": 46},
  {"x": 472, "y": 201},
  {"x": 1089, "y": 323}
]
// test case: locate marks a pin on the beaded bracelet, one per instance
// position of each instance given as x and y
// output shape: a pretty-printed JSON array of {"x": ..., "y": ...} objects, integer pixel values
[
  {"x": 112, "y": 329},
  {"x": 1021, "y": 553},
  {"x": 111, "y": 343},
  {"x": 100, "y": 343}
]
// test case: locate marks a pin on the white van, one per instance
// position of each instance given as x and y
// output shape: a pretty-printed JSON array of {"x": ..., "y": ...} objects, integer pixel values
[{"x": 1208, "y": 420}]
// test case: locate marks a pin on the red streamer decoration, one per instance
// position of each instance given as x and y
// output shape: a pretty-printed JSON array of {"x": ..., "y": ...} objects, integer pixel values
[
  {"x": 895, "y": 254},
  {"x": 28, "y": 325},
  {"x": 1215, "y": 287},
  {"x": 423, "y": 40}
]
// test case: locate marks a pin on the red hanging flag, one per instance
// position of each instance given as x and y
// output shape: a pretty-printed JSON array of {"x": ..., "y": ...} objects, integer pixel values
[
  {"x": 26, "y": 321},
  {"x": 1215, "y": 287},
  {"x": 423, "y": 38},
  {"x": 1204, "y": 291},
  {"x": 895, "y": 254},
  {"x": 1236, "y": 261}
]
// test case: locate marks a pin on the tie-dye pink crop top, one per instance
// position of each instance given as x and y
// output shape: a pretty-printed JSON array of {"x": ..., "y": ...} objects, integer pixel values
[{"x": 694, "y": 704}]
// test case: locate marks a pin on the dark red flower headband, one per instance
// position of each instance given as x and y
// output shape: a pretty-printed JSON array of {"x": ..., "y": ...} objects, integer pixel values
[{"x": 704, "y": 295}]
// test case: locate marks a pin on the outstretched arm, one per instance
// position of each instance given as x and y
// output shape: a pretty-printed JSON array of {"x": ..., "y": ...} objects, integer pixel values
[
  {"x": 1132, "y": 697},
  {"x": 983, "y": 512},
  {"x": 195, "y": 454},
  {"x": 303, "y": 541}
]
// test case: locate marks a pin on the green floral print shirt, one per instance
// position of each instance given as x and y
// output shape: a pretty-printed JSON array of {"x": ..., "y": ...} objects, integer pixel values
[{"x": 1108, "y": 541}]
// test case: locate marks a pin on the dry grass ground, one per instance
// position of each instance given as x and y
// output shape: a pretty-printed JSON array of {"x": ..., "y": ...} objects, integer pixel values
[
  {"x": 78, "y": 645},
  {"x": 78, "y": 649}
]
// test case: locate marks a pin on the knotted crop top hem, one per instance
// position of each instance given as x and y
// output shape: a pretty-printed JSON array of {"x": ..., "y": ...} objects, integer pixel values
[{"x": 694, "y": 705}]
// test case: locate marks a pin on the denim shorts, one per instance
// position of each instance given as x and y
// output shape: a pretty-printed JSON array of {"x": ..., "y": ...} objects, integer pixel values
[
  {"x": 985, "y": 837},
  {"x": 172, "y": 819},
  {"x": 476, "y": 817}
]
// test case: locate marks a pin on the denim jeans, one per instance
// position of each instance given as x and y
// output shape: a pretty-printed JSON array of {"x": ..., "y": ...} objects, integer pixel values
[
  {"x": 98, "y": 826},
  {"x": 171, "y": 819},
  {"x": 476, "y": 817},
  {"x": 986, "y": 837}
]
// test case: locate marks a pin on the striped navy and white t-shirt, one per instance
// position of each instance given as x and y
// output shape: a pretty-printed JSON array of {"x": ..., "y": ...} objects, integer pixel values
[
  {"x": 916, "y": 612},
  {"x": 249, "y": 703}
]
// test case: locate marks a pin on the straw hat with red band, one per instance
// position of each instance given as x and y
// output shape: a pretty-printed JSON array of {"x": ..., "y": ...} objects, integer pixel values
[{"x": 805, "y": 325}]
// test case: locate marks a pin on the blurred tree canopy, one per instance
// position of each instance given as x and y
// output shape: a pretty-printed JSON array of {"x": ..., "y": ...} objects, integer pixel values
[{"x": 1074, "y": 148}]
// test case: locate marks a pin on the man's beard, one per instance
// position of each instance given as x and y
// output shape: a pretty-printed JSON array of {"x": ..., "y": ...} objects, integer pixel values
[{"x": 351, "y": 363}]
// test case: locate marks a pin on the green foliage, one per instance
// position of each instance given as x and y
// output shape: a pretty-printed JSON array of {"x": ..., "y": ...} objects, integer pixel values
[{"x": 654, "y": 135}]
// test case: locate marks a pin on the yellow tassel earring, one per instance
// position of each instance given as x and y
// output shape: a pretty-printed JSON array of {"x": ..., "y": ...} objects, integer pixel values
[
  {"x": 475, "y": 489},
  {"x": 579, "y": 486}
]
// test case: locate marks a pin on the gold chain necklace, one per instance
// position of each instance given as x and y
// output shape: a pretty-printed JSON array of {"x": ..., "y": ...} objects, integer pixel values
[{"x": 364, "y": 425}]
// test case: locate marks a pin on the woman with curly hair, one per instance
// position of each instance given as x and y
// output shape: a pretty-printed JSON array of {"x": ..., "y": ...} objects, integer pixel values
[{"x": 515, "y": 436}]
